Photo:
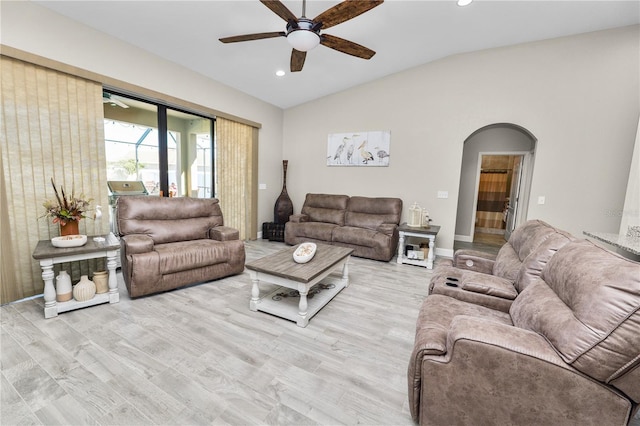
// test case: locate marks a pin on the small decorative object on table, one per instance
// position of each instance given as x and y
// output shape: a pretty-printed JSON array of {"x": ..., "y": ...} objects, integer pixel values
[
  {"x": 101, "y": 280},
  {"x": 67, "y": 211},
  {"x": 84, "y": 290},
  {"x": 64, "y": 290},
  {"x": 304, "y": 252},
  {"x": 69, "y": 241}
]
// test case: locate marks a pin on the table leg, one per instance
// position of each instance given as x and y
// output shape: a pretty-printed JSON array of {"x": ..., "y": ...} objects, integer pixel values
[
  {"x": 303, "y": 321},
  {"x": 114, "y": 295},
  {"x": 431, "y": 256},
  {"x": 345, "y": 272},
  {"x": 255, "y": 292},
  {"x": 400, "y": 247},
  {"x": 50, "y": 304}
]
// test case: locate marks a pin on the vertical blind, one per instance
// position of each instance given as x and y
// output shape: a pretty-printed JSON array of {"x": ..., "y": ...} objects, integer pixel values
[
  {"x": 52, "y": 127},
  {"x": 236, "y": 162}
]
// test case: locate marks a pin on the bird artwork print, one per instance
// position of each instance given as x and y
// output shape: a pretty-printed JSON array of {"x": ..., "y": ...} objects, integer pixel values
[
  {"x": 349, "y": 153},
  {"x": 337, "y": 158},
  {"x": 366, "y": 155},
  {"x": 382, "y": 154}
]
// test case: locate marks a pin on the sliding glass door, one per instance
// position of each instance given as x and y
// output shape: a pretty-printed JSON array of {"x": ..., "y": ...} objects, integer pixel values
[{"x": 170, "y": 151}]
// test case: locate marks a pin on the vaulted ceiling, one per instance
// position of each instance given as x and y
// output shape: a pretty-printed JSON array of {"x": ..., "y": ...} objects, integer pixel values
[{"x": 404, "y": 34}]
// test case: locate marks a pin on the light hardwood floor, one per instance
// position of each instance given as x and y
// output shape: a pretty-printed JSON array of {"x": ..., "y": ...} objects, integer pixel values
[{"x": 198, "y": 355}]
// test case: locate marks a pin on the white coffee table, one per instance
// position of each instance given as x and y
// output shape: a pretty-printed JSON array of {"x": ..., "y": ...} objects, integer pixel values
[{"x": 304, "y": 288}]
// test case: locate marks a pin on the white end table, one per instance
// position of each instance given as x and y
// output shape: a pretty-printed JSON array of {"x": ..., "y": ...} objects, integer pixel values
[
  {"x": 429, "y": 233},
  {"x": 48, "y": 255}
]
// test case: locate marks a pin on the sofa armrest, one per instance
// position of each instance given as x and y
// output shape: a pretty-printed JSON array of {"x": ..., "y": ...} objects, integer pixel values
[
  {"x": 299, "y": 218},
  {"x": 473, "y": 260},
  {"x": 137, "y": 243},
  {"x": 511, "y": 338},
  {"x": 224, "y": 233}
]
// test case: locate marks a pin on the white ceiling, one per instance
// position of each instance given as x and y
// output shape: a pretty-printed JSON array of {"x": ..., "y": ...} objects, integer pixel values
[{"x": 403, "y": 33}]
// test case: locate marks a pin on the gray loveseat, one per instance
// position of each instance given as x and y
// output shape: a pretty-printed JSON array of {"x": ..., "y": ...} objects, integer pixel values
[
  {"x": 367, "y": 225},
  {"x": 166, "y": 243},
  {"x": 566, "y": 352}
]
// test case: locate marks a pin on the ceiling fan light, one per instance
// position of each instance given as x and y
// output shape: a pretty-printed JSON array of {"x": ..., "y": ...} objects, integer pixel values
[{"x": 303, "y": 40}]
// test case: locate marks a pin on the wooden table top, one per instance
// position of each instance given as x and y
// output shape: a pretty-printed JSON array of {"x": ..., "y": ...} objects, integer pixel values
[
  {"x": 431, "y": 230},
  {"x": 281, "y": 264},
  {"x": 46, "y": 250}
]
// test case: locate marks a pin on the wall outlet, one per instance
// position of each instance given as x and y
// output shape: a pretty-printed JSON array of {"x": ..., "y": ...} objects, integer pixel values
[
  {"x": 262, "y": 186},
  {"x": 541, "y": 199},
  {"x": 443, "y": 194}
]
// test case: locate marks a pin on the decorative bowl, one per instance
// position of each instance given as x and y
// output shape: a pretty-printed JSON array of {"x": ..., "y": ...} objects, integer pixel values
[
  {"x": 69, "y": 241},
  {"x": 304, "y": 252}
]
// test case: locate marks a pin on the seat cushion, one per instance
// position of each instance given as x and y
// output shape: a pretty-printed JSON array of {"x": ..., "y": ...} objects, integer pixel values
[
  {"x": 185, "y": 255},
  {"x": 319, "y": 231}
]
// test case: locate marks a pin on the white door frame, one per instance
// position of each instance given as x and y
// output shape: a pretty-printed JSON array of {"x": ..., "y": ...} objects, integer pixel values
[{"x": 524, "y": 171}]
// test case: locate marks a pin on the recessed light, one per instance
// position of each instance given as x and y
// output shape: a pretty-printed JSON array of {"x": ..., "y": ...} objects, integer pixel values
[
  {"x": 280, "y": 73},
  {"x": 464, "y": 2}
]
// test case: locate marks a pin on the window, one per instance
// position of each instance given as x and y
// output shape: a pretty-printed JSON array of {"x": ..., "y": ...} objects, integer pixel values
[{"x": 169, "y": 150}]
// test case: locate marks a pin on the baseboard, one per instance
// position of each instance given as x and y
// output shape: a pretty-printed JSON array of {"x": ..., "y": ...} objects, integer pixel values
[
  {"x": 463, "y": 238},
  {"x": 444, "y": 252}
]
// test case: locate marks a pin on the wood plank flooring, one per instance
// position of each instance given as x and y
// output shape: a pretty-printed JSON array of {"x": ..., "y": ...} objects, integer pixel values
[{"x": 198, "y": 355}]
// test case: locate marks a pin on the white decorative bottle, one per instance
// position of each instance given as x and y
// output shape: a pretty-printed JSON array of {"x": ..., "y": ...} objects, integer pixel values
[
  {"x": 64, "y": 290},
  {"x": 84, "y": 290}
]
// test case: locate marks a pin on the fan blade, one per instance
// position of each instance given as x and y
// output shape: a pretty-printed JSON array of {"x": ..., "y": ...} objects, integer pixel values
[
  {"x": 248, "y": 37},
  {"x": 346, "y": 46},
  {"x": 280, "y": 9},
  {"x": 344, "y": 11},
  {"x": 297, "y": 60}
]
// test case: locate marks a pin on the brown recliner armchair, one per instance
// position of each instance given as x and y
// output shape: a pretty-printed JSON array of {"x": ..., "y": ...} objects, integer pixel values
[
  {"x": 495, "y": 281},
  {"x": 567, "y": 352},
  {"x": 166, "y": 243}
]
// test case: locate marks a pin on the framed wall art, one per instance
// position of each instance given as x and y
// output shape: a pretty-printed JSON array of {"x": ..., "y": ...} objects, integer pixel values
[{"x": 363, "y": 149}]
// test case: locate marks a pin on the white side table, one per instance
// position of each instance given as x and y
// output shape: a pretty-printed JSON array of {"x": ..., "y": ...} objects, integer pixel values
[
  {"x": 48, "y": 255},
  {"x": 429, "y": 233}
]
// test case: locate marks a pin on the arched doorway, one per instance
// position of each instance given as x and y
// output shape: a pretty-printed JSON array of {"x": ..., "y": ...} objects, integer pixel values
[{"x": 495, "y": 181}]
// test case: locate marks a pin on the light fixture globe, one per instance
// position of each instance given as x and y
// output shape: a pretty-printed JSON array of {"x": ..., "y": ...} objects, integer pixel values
[{"x": 302, "y": 36}]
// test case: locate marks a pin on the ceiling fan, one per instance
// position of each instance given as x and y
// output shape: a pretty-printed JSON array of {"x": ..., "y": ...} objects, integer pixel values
[
  {"x": 108, "y": 98},
  {"x": 304, "y": 34}
]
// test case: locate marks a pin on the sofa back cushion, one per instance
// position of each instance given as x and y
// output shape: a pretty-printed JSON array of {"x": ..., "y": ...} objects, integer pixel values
[
  {"x": 587, "y": 305},
  {"x": 523, "y": 240},
  {"x": 370, "y": 213},
  {"x": 167, "y": 220},
  {"x": 325, "y": 208},
  {"x": 534, "y": 263}
]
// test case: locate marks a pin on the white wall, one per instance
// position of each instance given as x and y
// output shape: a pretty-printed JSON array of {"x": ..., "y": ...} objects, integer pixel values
[
  {"x": 26, "y": 26},
  {"x": 578, "y": 95}
]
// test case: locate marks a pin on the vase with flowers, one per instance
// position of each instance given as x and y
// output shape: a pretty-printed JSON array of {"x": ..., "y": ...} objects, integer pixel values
[{"x": 66, "y": 210}]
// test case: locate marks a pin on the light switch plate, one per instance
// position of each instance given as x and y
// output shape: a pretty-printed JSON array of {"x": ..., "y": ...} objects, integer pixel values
[
  {"x": 541, "y": 199},
  {"x": 443, "y": 194},
  {"x": 262, "y": 186}
]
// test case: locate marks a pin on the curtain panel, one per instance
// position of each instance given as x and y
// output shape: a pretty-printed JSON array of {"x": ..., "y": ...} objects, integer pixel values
[
  {"x": 237, "y": 179},
  {"x": 51, "y": 127}
]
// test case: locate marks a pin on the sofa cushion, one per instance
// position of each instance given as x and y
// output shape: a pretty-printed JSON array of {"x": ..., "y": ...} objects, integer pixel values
[
  {"x": 587, "y": 305},
  {"x": 310, "y": 230},
  {"x": 326, "y": 208},
  {"x": 522, "y": 242},
  {"x": 370, "y": 213},
  {"x": 168, "y": 220},
  {"x": 186, "y": 255}
]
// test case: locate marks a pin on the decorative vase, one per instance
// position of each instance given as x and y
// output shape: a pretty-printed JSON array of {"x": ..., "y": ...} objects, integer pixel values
[
  {"x": 84, "y": 290},
  {"x": 64, "y": 290},
  {"x": 101, "y": 280},
  {"x": 71, "y": 228},
  {"x": 283, "y": 207}
]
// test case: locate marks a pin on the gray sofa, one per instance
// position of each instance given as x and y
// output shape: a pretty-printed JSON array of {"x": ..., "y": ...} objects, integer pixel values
[
  {"x": 566, "y": 352},
  {"x": 495, "y": 281},
  {"x": 367, "y": 225},
  {"x": 166, "y": 243}
]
